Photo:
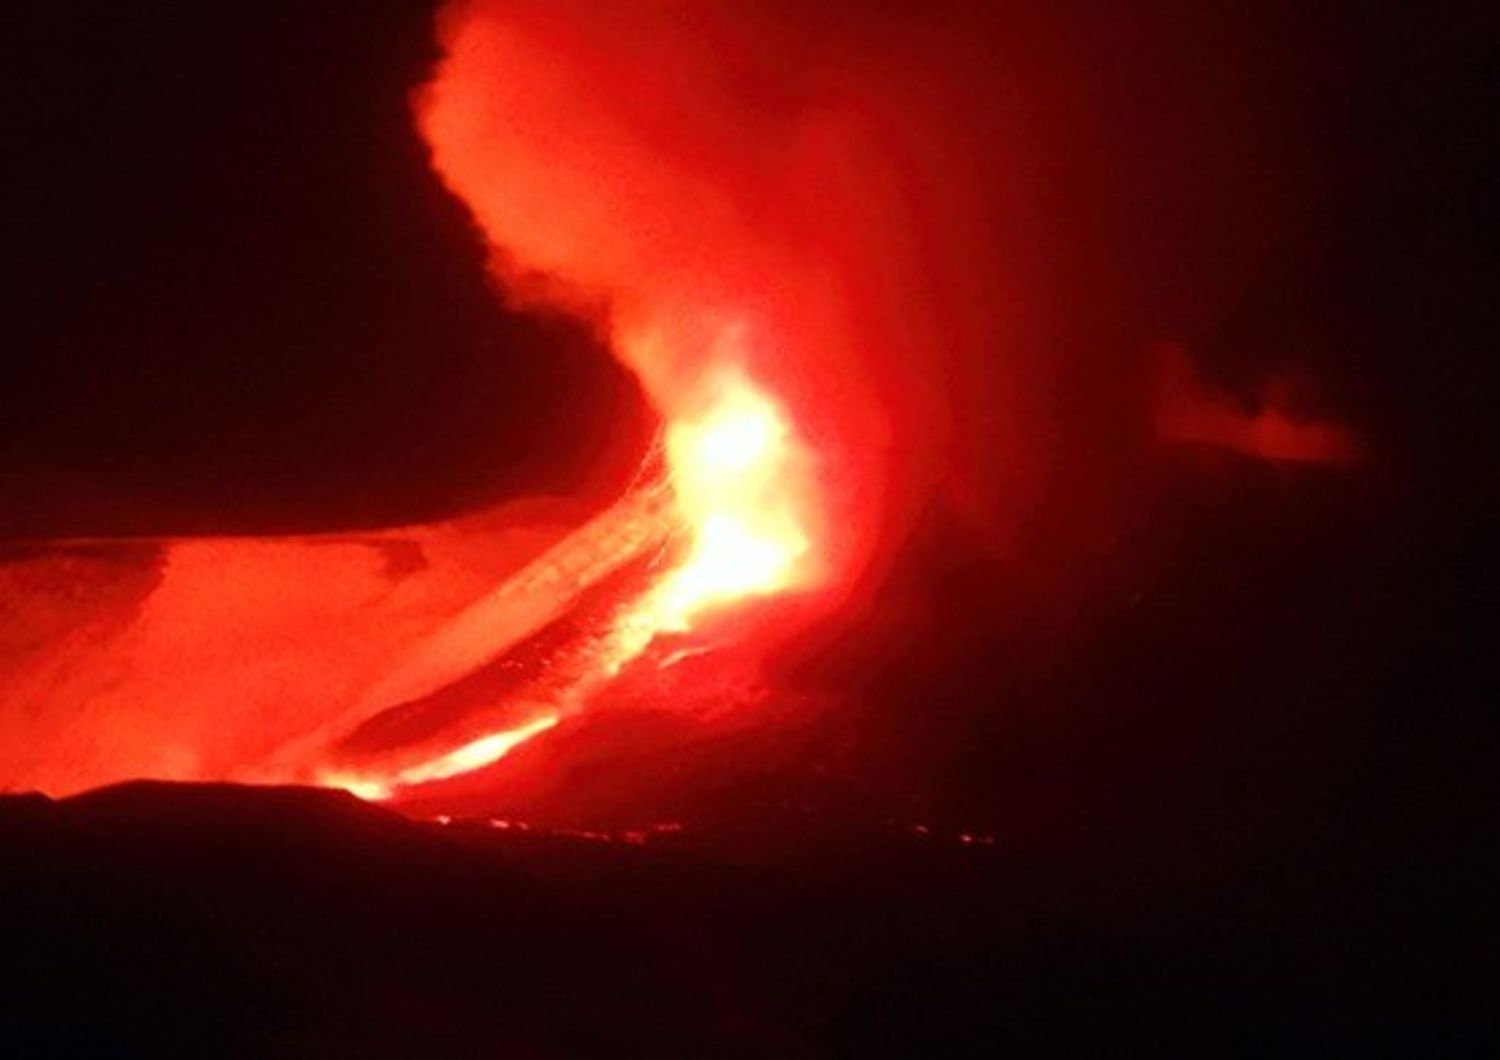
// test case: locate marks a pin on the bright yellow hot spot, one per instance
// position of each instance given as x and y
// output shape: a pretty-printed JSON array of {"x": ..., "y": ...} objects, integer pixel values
[
  {"x": 740, "y": 483},
  {"x": 739, "y": 479},
  {"x": 736, "y": 472}
]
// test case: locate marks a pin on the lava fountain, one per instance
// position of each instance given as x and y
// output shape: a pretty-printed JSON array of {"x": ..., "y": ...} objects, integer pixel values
[
  {"x": 728, "y": 522},
  {"x": 764, "y": 480}
]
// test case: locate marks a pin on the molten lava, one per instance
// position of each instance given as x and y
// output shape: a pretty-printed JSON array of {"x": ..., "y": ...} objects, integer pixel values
[
  {"x": 735, "y": 526},
  {"x": 738, "y": 475},
  {"x": 474, "y": 754}
]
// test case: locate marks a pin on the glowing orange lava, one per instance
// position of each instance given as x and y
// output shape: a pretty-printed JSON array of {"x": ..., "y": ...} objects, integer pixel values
[
  {"x": 741, "y": 498},
  {"x": 476, "y": 753},
  {"x": 741, "y": 487}
]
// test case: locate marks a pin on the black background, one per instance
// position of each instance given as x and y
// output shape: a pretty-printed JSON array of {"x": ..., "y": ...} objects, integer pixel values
[{"x": 239, "y": 300}]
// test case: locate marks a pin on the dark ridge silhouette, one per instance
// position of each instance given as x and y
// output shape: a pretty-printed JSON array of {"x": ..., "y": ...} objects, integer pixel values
[{"x": 157, "y": 919}]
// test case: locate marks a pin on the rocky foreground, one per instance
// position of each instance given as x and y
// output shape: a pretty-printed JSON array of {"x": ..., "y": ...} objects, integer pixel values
[{"x": 155, "y": 920}]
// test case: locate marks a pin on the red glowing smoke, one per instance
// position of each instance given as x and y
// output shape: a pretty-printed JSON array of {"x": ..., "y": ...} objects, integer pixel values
[
  {"x": 1187, "y": 410},
  {"x": 704, "y": 228}
]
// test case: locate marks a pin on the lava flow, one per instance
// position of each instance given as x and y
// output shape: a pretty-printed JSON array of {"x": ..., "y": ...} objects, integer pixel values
[
  {"x": 738, "y": 475},
  {"x": 766, "y": 479},
  {"x": 731, "y": 523}
]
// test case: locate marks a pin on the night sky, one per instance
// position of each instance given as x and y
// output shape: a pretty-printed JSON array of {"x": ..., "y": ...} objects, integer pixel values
[{"x": 240, "y": 301}]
